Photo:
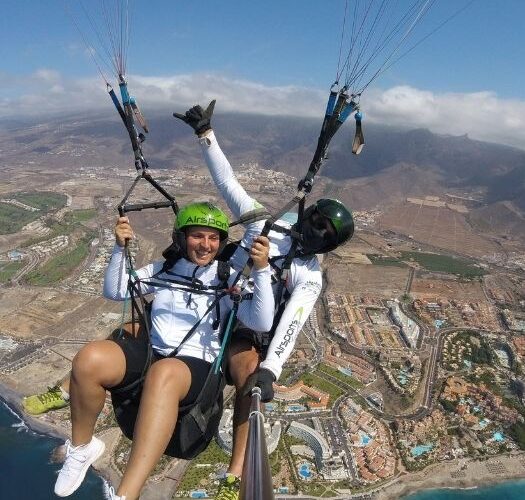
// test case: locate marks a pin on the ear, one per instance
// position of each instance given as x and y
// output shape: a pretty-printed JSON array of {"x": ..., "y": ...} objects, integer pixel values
[
  {"x": 172, "y": 252},
  {"x": 177, "y": 247},
  {"x": 179, "y": 237}
]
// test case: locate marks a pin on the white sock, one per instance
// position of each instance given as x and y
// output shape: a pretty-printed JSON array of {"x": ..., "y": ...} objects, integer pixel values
[{"x": 64, "y": 393}]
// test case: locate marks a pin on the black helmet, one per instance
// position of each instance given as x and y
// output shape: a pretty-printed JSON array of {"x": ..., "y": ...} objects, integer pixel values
[{"x": 340, "y": 217}]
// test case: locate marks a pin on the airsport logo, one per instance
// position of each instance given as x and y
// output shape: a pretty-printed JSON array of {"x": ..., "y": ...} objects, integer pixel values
[
  {"x": 291, "y": 332},
  {"x": 206, "y": 221}
]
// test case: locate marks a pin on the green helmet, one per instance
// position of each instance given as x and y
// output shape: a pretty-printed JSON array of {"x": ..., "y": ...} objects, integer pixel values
[
  {"x": 203, "y": 214},
  {"x": 340, "y": 217}
]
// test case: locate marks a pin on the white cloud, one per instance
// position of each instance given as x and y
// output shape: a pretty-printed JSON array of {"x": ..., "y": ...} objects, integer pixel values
[{"x": 481, "y": 115}]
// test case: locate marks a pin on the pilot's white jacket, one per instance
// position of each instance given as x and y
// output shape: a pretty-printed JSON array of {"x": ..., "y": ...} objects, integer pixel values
[{"x": 304, "y": 281}]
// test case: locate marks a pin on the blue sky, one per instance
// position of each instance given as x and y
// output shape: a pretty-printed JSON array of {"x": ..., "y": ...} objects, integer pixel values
[{"x": 273, "y": 56}]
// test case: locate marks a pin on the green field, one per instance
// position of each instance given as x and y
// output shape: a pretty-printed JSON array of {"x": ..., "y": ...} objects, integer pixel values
[
  {"x": 70, "y": 222},
  {"x": 13, "y": 218},
  {"x": 384, "y": 260},
  {"x": 44, "y": 200},
  {"x": 79, "y": 216},
  {"x": 346, "y": 379},
  {"x": 314, "y": 380},
  {"x": 8, "y": 270},
  {"x": 60, "y": 266},
  {"x": 444, "y": 264},
  {"x": 198, "y": 472}
]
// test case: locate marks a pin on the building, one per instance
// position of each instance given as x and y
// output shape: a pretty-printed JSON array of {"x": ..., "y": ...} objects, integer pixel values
[{"x": 315, "y": 440}]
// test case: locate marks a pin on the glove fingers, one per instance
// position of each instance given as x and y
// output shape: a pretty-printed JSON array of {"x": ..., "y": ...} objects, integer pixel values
[
  {"x": 210, "y": 108},
  {"x": 194, "y": 115},
  {"x": 249, "y": 385},
  {"x": 266, "y": 398},
  {"x": 180, "y": 116}
]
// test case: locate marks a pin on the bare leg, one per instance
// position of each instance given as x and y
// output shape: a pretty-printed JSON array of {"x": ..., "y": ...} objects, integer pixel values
[
  {"x": 129, "y": 328},
  {"x": 243, "y": 361},
  {"x": 167, "y": 383},
  {"x": 97, "y": 366}
]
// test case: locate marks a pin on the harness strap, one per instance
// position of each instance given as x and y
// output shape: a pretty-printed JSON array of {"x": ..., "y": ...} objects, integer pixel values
[
  {"x": 191, "y": 331},
  {"x": 252, "y": 216}
]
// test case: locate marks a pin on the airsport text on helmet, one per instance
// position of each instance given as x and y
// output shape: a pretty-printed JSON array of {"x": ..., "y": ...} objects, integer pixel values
[{"x": 205, "y": 221}]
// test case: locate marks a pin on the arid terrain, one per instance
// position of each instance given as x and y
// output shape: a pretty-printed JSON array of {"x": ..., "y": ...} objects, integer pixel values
[{"x": 414, "y": 344}]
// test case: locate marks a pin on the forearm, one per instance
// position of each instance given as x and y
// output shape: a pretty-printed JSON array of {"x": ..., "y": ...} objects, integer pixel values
[
  {"x": 297, "y": 311},
  {"x": 116, "y": 277},
  {"x": 235, "y": 196},
  {"x": 257, "y": 313}
]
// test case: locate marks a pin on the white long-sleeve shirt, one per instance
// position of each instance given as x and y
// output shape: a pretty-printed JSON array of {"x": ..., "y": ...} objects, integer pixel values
[
  {"x": 174, "y": 311},
  {"x": 304, "y": 281}
]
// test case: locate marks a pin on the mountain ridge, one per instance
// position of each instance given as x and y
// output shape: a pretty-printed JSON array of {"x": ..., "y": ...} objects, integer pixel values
[{"x": 404, "y": 162}]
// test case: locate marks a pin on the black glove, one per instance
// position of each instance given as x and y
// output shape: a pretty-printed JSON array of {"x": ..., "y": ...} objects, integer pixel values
[
  {"x": 264, "y": 379},
  {"x": 197, "y": 118}
]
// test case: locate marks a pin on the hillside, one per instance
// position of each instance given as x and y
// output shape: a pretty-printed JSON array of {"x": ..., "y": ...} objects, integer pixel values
[{"x": 394, "y": 164}]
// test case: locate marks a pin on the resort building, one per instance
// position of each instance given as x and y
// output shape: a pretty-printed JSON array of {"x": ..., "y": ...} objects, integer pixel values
[
  {"x": 272, "y": 431},
  {"x": 299, "y": 391},
  {"x": 315, "y": 440},
  {"x": 409, "y": 329}
]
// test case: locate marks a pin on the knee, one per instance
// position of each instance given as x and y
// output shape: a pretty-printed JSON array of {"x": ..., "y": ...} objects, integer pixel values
[
  {"x": 163, "y": 376},
  {"x": 89, "y": 362},
  {"x": 242, "y": 366}
]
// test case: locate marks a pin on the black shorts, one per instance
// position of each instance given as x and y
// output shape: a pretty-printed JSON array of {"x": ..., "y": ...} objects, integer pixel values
[
  {"x": 260, "y": 341},
  {"x": 136, "y": 353}
]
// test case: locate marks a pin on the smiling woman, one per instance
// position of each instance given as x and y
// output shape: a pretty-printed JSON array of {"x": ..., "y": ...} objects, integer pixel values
[{"x": 166, "y": 381}]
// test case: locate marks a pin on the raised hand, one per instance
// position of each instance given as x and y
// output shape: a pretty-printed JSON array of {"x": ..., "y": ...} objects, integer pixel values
[{"x": 197, "y": 118}]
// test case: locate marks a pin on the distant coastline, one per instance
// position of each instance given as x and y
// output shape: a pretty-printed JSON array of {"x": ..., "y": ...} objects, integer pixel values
[
  {"x": 434, "y": 477},
  {"x": 439, "y": 477},
  {"x": 13, "y": 400},
  {"x": 505, "y": 490}
]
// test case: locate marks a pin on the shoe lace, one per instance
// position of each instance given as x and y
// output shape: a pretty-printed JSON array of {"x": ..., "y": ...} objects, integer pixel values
[
  {"x": 229, "y": 488},
  {"x": 52, "y": 394},
  {"x": 113, "y": 495},
  {"x": 74, "y": 459}
]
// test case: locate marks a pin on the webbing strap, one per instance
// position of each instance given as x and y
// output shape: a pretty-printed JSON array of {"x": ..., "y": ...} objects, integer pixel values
[
  {"x": 191, "y": 331},
  {"x": 252, "y": 216},
  {"x": 226, "y": 337}
]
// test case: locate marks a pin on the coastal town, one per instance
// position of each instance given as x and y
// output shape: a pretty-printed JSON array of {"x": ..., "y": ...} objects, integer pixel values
[{"x": 412, "y": 360}]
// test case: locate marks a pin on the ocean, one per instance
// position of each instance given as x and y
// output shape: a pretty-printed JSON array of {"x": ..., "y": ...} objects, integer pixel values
[
  {"x": 26, "y": 472},
  {"x": 512, "y": 490}
]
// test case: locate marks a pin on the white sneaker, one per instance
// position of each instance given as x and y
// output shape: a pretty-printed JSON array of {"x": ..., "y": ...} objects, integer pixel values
[
  {"x": 78, "y": 460},
  {"x": 113, "y": 496}
]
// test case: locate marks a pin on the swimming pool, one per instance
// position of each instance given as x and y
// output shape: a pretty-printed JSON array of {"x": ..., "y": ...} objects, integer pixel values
[
  {"x": 304, "y": 471},
  {"x": 364, "y": 438},
  {"x": 295, "y": 407},
  {"x": 483, "y": 423},
  {"x": 198, "y": 494},
  {"x": 498, "y": 436},
  {"x": 421, "y": 449},
  {"x": 402, "y": 378}
]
